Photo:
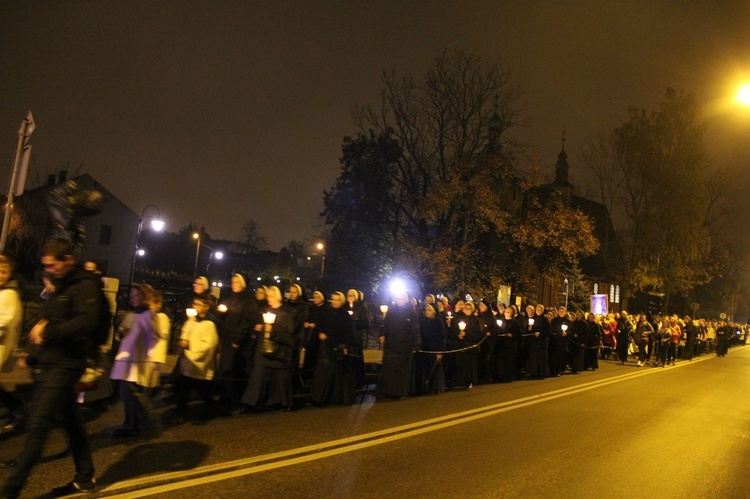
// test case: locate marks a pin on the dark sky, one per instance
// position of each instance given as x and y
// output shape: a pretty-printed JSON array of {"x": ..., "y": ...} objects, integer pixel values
[{"x": 217, "y": 111}]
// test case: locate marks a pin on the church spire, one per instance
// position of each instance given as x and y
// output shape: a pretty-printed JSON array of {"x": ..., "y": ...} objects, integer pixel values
[
  {"x": 562, "y": 168},
  {"x": 495, "y": 127}
]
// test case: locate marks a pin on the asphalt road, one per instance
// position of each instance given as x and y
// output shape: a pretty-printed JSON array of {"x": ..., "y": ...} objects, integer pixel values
[{"x": 621, "y": 431}]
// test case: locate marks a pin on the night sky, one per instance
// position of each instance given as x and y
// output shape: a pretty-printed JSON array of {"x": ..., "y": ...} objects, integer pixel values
[{"x": 219, "y": 111}]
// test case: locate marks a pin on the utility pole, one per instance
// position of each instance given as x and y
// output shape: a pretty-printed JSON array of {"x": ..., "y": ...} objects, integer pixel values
[{"x": 21, "y": 158}]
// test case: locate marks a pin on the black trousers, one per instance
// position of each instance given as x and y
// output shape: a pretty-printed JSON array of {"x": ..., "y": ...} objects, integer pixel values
[
  {"x": 53, "y": 401},
  {"x": 184, "y": 385}
]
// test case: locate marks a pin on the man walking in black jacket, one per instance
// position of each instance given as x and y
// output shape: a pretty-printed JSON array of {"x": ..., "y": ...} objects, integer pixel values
[{"x": 59, "y": 345}]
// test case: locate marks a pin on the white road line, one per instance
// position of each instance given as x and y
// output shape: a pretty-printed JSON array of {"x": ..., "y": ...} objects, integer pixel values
[{"x": 258, "y": 464}]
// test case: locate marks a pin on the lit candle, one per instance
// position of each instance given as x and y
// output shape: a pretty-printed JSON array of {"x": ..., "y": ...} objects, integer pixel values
[
  {"x": 531, "y": 321},
  {"x": 269, "y": 318},
  {"x": 191, "y": 312},
  {"x": 564, "y": 327},
  {"x": 499, "y": 323},
  {"x": 351, "y": 312},
  {"x": 462, "y": 325},
  {"x": 222, "y": 308}
]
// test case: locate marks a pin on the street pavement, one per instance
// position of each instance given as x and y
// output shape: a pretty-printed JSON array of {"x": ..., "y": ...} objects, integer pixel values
[{"x": 622, "y": 431}]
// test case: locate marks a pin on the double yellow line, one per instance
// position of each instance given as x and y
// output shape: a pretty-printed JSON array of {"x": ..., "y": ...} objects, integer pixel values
[{"x": 147, "y": 486}]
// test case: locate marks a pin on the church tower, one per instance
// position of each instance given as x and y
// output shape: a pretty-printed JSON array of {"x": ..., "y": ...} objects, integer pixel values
[{"x": 562, "y": 169}]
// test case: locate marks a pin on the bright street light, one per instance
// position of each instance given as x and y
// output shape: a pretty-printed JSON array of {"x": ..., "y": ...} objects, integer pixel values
[{"x": 743, "y": 96}]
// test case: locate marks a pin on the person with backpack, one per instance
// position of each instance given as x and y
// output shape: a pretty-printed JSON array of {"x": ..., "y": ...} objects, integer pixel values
[{"x": 59, "y": 345}]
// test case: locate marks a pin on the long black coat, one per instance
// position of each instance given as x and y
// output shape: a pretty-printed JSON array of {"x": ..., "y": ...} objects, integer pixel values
[
  {"x": 401, "y": 332},
  {"x": 334, "y": 380},
  {"x": 430, "y": 377},
  {"x": 506, "y": 349}
]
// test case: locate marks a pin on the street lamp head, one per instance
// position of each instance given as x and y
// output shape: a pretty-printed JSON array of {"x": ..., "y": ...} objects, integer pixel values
[
  {"x": 141, "y": 252},
  {"x": 157, "y": 225},
  {"x": 743, "y": 96},
  {"x": 218, "y": 255},
  {"x": 196, "y": 235},
  {"x": 320, "y": 246}
]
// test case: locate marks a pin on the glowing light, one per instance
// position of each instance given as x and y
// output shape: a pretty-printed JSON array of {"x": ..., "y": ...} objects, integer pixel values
[
  {"x": 499, "y": 323},
  {"x": 269, "y": 318},
  {"x": 743, "y": 96},
  {"x": 157, "y": 225},
  {"x": 222, "y": 308},
  {"x": 564, "y": 327},
  {"x": 191, "y": 312},
  {"x": 462, "y": 325},
  {"x": 397, "y": 287},
  {"x": 141, "y": 252},
  {"x": 218, "y": 255},
  {"x": 531, "y": 322}
]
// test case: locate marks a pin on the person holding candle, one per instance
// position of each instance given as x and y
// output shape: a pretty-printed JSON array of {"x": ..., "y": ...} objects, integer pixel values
[
  {"x": 469, "y": 335},
  {"x": 197, "y": 362},
  {"x": 559, "y": 330},
  {"x": 508, "y": 333},
  {"x": 237, "y": 320},
  {"x": 270, "y": 383}
]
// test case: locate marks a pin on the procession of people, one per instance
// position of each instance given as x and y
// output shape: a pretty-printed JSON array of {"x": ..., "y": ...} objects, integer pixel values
[{"x": 251, "y": 351}]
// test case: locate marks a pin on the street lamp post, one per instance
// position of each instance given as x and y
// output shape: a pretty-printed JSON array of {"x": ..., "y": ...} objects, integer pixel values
[
  {"x": 197, "y": 238},
  {"x": 566, "y": 293},
  {"x": 215, "y": 255},
  {"x": 218, "y": 255},
  {"x": 156, "y": 224},
  {"x": 321, "y": 248}
]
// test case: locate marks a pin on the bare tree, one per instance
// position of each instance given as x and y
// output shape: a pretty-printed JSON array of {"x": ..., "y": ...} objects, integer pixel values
[{"x": 250, "y": 234}]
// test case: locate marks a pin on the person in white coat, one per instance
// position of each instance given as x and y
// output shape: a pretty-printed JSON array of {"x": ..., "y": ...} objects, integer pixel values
[
  {"x": 197, "y": 363},
  {"x": 11, "y": 315},
  {"x": 131, "y": 365}
]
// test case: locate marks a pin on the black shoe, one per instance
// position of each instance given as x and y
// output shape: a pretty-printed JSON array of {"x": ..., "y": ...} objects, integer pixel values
[
  {"x": 125, "y": 432},
  {"x": 247, "y": 409},
  {"x": 6, "y": 465},
  {"x": 74, "y": 487}
]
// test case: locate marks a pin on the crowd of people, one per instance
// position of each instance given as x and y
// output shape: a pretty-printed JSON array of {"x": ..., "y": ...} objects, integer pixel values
[{"x": 253, "y": 351}]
